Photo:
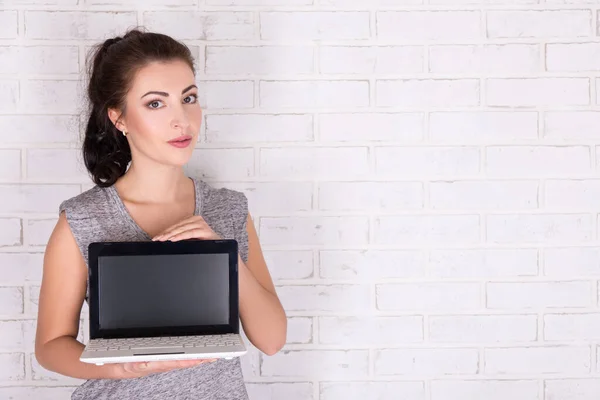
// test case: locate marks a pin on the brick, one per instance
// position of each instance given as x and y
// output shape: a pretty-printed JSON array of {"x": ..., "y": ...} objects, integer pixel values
[
  {"x": 73, "y": 25},
  {"x": 571, "y": 124},
  {"x": 438, "y": 362},
  {"x": 39, "y": 59},
  {"x": 226, "y": 94},
  {"x": 246, "y": 60},
  {"x": 11, "y": 335},
  {"x": 409, "y": 127},
  {"x": 10, "y": 165},
  {"x": 276, "y": 391},
  {"x": 381, "y": 196},
  {"x": 11, "y": 300},
  {"x": 314, "y": 25},
  {"x": 36, "y": 393},
  {"x": 571, "y": 327},
  {"x": 220, "y": 25},
  {"x": 539, "y": 24},
  {"x": 366, "y": 331},
  {"x": 438, "y": 26},
  {"x": 538, "y": 161},
  {"x": 12, "y": 367},
  {"x": 428, "y": 296},
  {"x": 438, "y": 161},
  {"x": 323, "y": 364},
  {"x": 371, "y": 59},
  {"x": 219, "y": 163},
  {"x": 335, "y": 298},
  {"x": 258, "y": 3},
  {"x": 427, "y": 93},
  {"x": 368, "y": 265},
  {"x": 366, "y": 390},
  {"x": 361, "y": 3},
  {"x": 311, "y": 94},
  {"x": 483, "y": 263},
  {"x": 56, "y": 165},
  {"x": 572, "y": 262},
  {"x": 9, "y": 97},
  {"x": 37, "y": 232},
  {"x": 51, "y": 96},
  {"x": 538, "y": 295},
  {"x": 485, "y": 59},
  {"x": 8, "y": 24},
  {"x": 253, "y": 128},
  {"x": 36, "y": 129},
  {"x": 299, "y": 330},
  {"x": 422, "y": 229},
  {"x": 287, "y": 264},
  {"x": 482, "y": 126},
  {"x": 146, "y": 3},
  {"x": 483, "y": 328},
  {"x": 35, "y": 198},
  {"x": 573, "y": 57},
  {"x": 29, "y": 334},
  {"x": 313, "y": 162},
  {"x": 485, "y": 389},
  {"x": 535, "y": 92},
  {"x": 572, "y": 194},
  {"x": 39, "y": 373},
  {"x": 10, "y": 232},
  {"x": 549, "y": 228},
  {"x": 538, "y": 360},
  {"x": 34, "y": 299},
  {"x": 571, "y": 389},
  {"x": 268, "y": 198},
  {"x": 484, "y": 195},
  {"x": 250, "y": 363},
  {"x": 314, "y": 230},
  {"x": 19, "y": 267},
  {"x": 482, "y": 2}
]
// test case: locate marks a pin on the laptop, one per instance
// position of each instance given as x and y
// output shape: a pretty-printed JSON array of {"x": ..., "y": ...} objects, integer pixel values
[{"x": 158, "y": 301}]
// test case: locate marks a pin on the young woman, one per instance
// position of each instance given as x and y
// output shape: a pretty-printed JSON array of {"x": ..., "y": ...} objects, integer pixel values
[{"x": 143, "y": 124}]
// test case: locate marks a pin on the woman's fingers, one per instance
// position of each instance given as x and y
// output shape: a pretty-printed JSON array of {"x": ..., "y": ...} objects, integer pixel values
[
  {"x": 150, "y": 367},
  {"x": 175, "y": 230}
]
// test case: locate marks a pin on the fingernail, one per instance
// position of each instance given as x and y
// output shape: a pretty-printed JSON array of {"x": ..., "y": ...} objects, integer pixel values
[{"x": 143, "y": 365}]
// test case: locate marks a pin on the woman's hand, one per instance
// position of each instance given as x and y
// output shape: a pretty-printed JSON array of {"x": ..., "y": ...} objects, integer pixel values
[
  {"x": 191, "y": 228},
  {"x": 140, "y": 369}
]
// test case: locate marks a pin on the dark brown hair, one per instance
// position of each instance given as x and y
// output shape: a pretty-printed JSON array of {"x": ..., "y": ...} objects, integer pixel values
[{"x": 111, "y": 68}]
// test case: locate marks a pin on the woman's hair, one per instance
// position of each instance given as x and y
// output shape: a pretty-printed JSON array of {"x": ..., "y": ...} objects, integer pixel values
[{"x": 111, "y": 68}]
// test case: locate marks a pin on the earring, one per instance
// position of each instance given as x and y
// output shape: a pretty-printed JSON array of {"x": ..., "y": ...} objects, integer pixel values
[{"x": 124, "y": 133}]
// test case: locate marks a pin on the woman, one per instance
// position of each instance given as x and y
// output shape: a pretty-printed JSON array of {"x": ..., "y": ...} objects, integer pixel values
[{"x": 144, "y": 122}]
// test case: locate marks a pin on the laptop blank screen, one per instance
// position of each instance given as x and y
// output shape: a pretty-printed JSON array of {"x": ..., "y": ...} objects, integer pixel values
[{"x": 147, "y": 291}]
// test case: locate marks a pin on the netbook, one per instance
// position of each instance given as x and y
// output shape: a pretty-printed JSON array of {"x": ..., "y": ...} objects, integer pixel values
[{"x": 155, "y": 301}]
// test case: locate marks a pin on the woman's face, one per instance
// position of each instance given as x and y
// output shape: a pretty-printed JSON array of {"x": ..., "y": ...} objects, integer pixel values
[{"x": 162, "y": 117}]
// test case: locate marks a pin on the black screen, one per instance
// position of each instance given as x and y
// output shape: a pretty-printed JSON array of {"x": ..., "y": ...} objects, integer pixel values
[{"x": 163, "y": 290}]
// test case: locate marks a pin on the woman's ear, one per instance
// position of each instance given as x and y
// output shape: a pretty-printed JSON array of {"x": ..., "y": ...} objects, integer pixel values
[{"x": 115, "y": 116}]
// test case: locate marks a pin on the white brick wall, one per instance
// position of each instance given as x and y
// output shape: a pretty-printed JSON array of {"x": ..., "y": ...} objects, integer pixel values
[{"x": 424, "y": 176}]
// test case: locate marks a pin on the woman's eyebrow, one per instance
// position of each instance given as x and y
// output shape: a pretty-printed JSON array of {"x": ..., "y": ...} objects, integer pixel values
[{"x": 165, "y": 94}]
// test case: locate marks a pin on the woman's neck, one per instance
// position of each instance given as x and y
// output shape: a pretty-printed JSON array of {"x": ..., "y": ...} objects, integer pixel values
[{"x": 159, "y": 184}]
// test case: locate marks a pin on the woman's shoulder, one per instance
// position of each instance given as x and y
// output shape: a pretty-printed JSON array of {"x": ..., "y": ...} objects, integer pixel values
[
  {"x": 92, "y": 198},
  {"x": 220, "y": 195}
]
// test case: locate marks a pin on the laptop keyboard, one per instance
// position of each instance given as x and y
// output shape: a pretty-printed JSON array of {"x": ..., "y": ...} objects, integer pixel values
[{"x": 164, "y": 342}]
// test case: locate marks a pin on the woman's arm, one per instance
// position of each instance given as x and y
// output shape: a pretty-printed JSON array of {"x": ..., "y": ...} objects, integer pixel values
[
  {"x": 261, "y": 312},
  {"x": 62, "y": 294}
]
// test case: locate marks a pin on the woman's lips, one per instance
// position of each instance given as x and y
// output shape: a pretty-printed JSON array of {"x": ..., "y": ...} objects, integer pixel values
[{"x": 181, "y": 142}]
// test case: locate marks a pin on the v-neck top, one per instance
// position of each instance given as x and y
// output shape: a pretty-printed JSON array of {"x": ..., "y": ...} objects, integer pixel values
[
  {"x": 99, "y": 215},
  {"x": 112, "y": 191}
]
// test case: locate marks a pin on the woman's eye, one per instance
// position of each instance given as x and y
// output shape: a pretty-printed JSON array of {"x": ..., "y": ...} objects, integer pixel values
[
  {"x": 191, "y": 99},
  {"x": 154, "y": 104}
]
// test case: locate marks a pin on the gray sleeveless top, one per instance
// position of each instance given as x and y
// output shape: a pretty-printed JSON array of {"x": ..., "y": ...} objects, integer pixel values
[{"x": 99, "y": 215}]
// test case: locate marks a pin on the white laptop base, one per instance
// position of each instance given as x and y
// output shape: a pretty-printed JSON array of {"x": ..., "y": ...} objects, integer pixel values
[{"x": 109, "y": 351}]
